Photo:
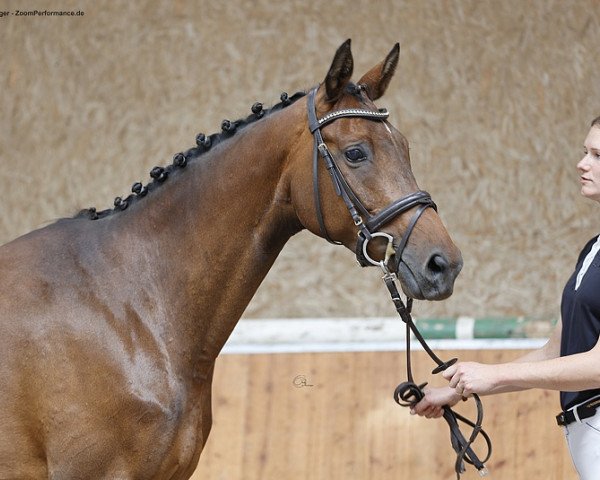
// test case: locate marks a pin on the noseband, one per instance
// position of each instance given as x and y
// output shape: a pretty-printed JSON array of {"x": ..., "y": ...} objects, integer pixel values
[{"x": 368, "y": 225}]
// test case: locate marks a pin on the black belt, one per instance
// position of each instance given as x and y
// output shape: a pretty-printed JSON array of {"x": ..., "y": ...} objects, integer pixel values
[{"x": 585, "y": 410}]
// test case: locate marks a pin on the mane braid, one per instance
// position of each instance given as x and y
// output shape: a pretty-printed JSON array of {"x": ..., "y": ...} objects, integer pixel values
[{"x": 205, "y": 143}]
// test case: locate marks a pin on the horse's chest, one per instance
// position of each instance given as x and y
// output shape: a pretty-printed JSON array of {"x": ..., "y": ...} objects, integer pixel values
[
  {"x": 182, "y": 447},
  {"x": 176, "y": 440},
  {"x": 145, "y": 439}
]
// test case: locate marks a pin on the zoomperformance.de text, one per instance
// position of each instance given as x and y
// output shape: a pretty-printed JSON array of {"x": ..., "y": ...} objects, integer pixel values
[{"x": 41, "y": 13}]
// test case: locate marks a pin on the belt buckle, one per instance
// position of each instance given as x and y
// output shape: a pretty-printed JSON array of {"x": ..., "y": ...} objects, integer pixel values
[{"x": 560, "y": 419}]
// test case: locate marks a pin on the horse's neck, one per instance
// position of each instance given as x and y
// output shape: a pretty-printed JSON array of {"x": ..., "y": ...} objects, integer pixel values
[{"x": 215, "y": 230}]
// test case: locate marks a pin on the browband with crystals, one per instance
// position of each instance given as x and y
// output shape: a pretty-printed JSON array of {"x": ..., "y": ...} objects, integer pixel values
[{"x": 380, "y": 114}]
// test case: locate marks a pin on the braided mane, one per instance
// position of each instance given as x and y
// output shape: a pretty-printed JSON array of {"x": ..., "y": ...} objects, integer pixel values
[{"x": 180, "y": 160}]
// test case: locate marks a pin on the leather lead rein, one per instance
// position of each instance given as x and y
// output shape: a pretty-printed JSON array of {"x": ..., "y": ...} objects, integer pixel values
[{"x": 408, "y": 393}]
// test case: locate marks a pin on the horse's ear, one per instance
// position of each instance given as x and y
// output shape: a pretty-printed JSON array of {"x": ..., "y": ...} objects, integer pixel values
[
  {"x": 339, "y": 73},
  {"x": 378, "y": 78}
]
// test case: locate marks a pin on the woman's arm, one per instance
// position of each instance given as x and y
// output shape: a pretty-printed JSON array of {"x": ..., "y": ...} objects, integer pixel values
[
  {"x": 550, "y": 350},
  {"x": 542, "y": 370},
  {"x": 435, "y": 398}
]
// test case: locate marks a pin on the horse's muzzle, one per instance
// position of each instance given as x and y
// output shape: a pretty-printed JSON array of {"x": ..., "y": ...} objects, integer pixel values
[{"x": 431, "y": 280}]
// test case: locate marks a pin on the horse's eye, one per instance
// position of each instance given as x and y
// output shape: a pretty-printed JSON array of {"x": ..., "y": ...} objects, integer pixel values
[{"x": 355, "y": 155}]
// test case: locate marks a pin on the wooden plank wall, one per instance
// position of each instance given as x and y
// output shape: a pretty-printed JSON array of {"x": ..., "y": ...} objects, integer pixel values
[{"x": 345, "y": 425}]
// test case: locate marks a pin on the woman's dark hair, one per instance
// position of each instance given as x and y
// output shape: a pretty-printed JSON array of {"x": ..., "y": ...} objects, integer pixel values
[{"x": 595, "y": 122}]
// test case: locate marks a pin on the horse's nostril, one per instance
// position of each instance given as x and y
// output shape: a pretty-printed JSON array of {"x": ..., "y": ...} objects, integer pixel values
[{"x": 437, "y": 264}]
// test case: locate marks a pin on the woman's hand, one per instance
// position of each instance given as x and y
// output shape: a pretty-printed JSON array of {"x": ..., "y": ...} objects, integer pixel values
[
  {"x": 467, "y": 378},
  {"x": 433, "y": 401}
]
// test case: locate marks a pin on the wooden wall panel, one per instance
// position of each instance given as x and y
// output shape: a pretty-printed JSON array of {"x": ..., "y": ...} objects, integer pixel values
[{"x": 345, "y": 425}]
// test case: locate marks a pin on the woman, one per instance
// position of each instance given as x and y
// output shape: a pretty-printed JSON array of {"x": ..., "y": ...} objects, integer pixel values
[{"x": 569, "y": 361}]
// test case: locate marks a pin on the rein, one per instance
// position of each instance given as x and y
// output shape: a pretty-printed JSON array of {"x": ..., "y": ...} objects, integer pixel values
[{"x": 407, "y": 393}]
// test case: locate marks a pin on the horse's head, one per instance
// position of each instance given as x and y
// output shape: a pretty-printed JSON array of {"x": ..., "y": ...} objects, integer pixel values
[{"x": 363, "y": 183}]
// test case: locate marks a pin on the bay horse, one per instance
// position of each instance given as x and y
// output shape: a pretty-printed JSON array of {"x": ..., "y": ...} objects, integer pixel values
[{"x": 111, "y": 321}]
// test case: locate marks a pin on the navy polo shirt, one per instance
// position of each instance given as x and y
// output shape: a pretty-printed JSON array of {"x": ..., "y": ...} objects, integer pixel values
[{"x": 580, "y": 312}]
